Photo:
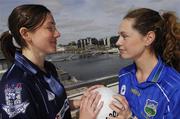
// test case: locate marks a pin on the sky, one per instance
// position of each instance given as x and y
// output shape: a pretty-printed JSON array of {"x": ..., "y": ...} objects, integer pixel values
[{"x": 77, "y": 19}]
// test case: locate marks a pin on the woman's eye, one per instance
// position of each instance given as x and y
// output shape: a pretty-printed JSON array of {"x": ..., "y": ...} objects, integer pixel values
[
  {"x": 51, "y": 28},
  {"x": 124, "y": 36}
]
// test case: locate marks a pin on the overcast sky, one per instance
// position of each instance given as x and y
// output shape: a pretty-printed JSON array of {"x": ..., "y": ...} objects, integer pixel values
[{"x": 77, "y": 19}]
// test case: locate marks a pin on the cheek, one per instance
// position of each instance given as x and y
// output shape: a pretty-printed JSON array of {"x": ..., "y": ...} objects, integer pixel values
[
  {"x": 40, "y": 43},
  {"x": 135, "y": 47}
]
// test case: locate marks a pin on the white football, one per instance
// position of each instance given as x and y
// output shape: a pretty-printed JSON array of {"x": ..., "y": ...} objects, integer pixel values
[{"x": 107, "y": 98}]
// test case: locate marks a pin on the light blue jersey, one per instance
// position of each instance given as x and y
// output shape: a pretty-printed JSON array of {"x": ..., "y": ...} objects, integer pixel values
[{"x": 156, "y": 98}]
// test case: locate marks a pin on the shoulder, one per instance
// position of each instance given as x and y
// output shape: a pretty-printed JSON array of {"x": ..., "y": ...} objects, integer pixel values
[
  {"x": 13, "y": 74},
  {"x": 14, "y": 77},
  {"x": 169, "y": 85},
  {"x": 170, "y": 81},
  {"x": 12, "y": 82},
  {"x": 170, "y": 76},
  {"x": 173, "y": 73},
  {"x": 126, "y": 70}
]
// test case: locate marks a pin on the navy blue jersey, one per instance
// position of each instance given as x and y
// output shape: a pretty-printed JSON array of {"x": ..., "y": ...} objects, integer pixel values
[
  {"x": 26, "y": 92},
  {"x": 156, "y": 98}
]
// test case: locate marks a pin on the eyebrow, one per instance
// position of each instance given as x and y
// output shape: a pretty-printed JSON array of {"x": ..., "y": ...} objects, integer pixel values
[{"x": 122, "y": 32}]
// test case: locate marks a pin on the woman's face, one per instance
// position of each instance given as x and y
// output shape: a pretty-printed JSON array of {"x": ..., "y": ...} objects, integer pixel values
[
  {"x": 44, "y": 39},
  {"x": 131, "y": 43}
]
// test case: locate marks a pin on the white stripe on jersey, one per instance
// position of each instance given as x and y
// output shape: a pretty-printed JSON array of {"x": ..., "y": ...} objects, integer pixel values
[
  {"x": 123, "y": 74},
  {"x": 164, "y": 95}
]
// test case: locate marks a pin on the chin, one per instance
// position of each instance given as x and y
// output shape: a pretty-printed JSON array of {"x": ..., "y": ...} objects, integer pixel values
[
  {"x": 123, "y": 56},
  {"x": 52, "y": 51}
]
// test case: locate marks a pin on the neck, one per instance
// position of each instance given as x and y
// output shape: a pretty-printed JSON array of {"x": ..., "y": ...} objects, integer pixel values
[
  {"x": 145, "y": 65},
  {"x": 35, "y": 58}
]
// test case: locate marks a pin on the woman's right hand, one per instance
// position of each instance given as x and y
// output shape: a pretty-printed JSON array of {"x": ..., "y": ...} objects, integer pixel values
[
  {"x": 90, "y": 106},
  {"x": 121, "y": 106}
]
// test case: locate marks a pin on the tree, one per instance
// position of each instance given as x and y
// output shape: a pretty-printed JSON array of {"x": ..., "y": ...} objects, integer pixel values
[{"x": 72, "y": 43}]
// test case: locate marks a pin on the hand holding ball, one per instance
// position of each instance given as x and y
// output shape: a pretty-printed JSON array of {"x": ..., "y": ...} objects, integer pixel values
[{"x": 107, "y": 98}]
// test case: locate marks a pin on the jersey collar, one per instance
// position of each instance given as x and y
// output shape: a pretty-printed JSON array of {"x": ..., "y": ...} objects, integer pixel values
[
  {"x": 154, "y": 76},
  {"x": 25, "y": 64}
]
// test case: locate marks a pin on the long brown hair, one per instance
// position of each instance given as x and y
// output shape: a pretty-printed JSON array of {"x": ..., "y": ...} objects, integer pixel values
[
  {"x": 167, "y": 31},
  {"x": 30, "y": 16}
]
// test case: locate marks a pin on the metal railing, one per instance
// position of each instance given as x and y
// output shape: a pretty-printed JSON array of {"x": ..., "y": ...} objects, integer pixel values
[
  {"x": 102, "y": 80},
  {"x": 108, "y": 81}
]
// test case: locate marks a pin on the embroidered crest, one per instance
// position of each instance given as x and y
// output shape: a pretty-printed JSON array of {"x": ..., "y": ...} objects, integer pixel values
[
  {"x": 14, "y": 104},
  {"x": 123, "y": 89},
  {"x": 51, "y": 95},
  {"x": 150, "y": 107}
]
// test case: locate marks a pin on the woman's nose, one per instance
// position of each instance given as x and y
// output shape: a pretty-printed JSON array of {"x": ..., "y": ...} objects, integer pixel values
[
  {"x": 57, "y": 33},
  {"x": 119, "y": 41}
]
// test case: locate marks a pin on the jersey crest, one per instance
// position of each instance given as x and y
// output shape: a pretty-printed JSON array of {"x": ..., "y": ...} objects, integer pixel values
[
  {"x": 150, "y": 108},
  {"x": 14, "y": 104}
]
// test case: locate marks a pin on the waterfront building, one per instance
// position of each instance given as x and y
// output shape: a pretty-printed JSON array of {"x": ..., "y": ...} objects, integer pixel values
[{"x": 108, "y": 42}]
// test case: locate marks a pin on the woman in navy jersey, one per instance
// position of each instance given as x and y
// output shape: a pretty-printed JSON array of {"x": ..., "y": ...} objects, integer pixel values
[
  {"x": 149, "y": 88},
  {"x": 31, "y": 89}
]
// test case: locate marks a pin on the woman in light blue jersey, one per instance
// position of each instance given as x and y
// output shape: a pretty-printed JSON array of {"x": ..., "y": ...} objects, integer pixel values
[{"x": 149, "y": 88}]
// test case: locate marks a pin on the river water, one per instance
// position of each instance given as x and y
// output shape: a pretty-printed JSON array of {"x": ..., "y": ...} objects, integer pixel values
[{"x": 92, "y": 67}]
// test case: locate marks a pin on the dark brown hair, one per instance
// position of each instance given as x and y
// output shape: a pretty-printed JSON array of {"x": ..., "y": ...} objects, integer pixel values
[
  {"x": 167, "y": 31},
  {"x": 30, "y": 16}
]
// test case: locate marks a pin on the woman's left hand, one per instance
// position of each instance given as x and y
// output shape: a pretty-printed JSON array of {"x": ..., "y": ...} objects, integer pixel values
[
  {"x": 90, "y": 89},
  {"x": 75, "y": 104},
  {"x": 121, "y": 106},
  {"x": 90, "y": 106}
]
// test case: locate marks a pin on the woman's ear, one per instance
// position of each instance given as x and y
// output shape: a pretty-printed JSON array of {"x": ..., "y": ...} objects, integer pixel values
[
  {"x": 24, "y": 33},
  {"x": 150, "y": 37}
]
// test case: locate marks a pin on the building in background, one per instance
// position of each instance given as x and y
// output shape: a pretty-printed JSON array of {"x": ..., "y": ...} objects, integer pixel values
[{"x": 109, "y": 42}]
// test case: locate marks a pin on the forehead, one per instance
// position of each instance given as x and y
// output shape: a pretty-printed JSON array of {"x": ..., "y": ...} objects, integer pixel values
[
  {"x": 49, "y": 19},
  {"x": 126, "y": 25}
]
